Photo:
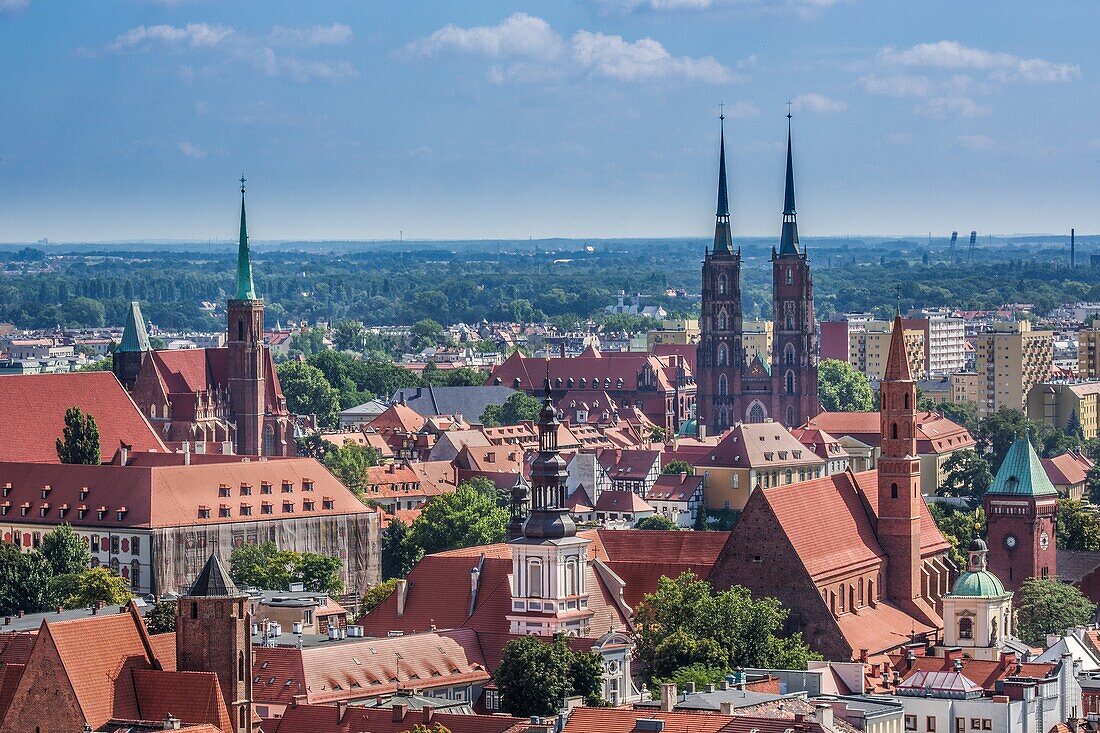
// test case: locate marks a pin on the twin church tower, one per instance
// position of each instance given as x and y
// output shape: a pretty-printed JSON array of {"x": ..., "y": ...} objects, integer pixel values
[{"x": 737, "y": 387}]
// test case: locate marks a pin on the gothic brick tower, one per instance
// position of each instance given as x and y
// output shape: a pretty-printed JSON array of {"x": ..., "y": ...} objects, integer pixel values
[
  {"x": 899, "y": 494},
  {"x": 247, "y": 365},
  {"x": 1021, "y": 508},
  {"x": 213, "y": 628},
  {"x": 130, "y": 354},
  {"x": 794, "y": 349},
  {"x": 720, "y": 356}
]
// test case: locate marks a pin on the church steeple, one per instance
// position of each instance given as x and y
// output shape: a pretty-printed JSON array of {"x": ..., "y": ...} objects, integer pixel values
[
  {"x": 723, "y": 236},
  {"x": 245, "y": 288},
  {"x": 788, "y": 244}
]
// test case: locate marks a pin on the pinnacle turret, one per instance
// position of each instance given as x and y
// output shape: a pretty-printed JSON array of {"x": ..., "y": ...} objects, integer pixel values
[
  {"x": 246, "y": 290},
  {"x": 723, "y": 236},
  {"x": 788, "y": 243}
]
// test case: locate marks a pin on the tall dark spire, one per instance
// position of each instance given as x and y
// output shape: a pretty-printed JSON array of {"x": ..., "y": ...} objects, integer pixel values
[
  {"x": 245, "y": 288},
  {"x": 723, "y": 237},
  {"x": 788, "y": 244}
]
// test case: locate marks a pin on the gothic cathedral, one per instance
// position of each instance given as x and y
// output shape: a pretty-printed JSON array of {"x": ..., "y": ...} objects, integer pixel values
[{"x": 782, "y": 387}]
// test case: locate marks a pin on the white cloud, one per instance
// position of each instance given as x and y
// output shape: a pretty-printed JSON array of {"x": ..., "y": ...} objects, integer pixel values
[
  {"x": 799, "y": 7},
  {"x": 975, "y": 142},
  {"x": 742, "y": 110},
  {"x": 319, "y": 35},
  {"x": 957, "y": 106},
  {"x": 615, "y": 58},
  {"x": 814, "y": 102},
  {"x": 195, "y": 35},
  {"x": 518, "y": 36},
  {"x": 898, "y": 85},
  {"x": 191, "y": 150},
  {"x": 954, "y": 55},
  {"x": 246, "y": 48},
  {"x": 13, "y": 5}
]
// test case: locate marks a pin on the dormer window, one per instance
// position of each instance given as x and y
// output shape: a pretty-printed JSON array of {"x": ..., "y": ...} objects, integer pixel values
[
  {"x": 267, "y": 508},
  {"x": 204, "y": 512},
  {"x": 246, "y": 510},
  {"x": 7, "y": 489},
  {"x": 328, "y": 503},
  {"x": 46, "y": 491},
  {"x": 288, "y": 507},
  {"x": 288, "y": 487},
  {"x": 43, "y": 509},
  {"x": 83, "y": 493},
  {"x": 62, "y": 510},
  {"x": 307, "y": 505},
  {"x": 265, "y": 488},
  {"x": 246, "y": 489},
  {"x": 223, "y": 511},
  {"x": 101, "y": 513},
  {"x": 81, "y": 512},
  {"x": 24, "y": 509},
  {"x": 307, "y": 484},
  {"x": 769, "y": 456},
  {"x": 223, "y": 491},
  {"x": 121, "y": 513}
]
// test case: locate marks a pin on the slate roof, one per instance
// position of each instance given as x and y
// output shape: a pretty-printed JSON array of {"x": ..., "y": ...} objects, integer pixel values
[
  {"x": 213, "y": 581},
  {"x": 32, "y": 414},
  {"x": 470, "y": 402}
]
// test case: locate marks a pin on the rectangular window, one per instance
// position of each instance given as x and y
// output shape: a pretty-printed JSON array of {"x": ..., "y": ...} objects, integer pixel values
[
  {"x": 135, "y": 545},
  {"x": 114, "y": 544},
  {"x": 95, "y": 543},
  {"x": 930, "y": 723},
  {"x": 910, "y": 722}
]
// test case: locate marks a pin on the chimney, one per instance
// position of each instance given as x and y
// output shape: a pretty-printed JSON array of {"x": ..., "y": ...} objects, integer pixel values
[
  {"x": 475, "y": 574},
  {"x": 726, "y": 707},
  {"x": 400, "y": 710},
  {"x": 171, "y": 722},
  {"x": 702, "y": 431},
  {"x": 863, "y": 655},
  {"x": 689, "y": 688},
  {"x": 402, "y": 593},
  {"x": 123, "y": 454},
  {"x": 668, "y": 696},
  {"x": 710, "y": 687},
  {"x": 429, "y": 713},
  {"x": 823, "y": 714},
  {"x": 341, "y": 710}
]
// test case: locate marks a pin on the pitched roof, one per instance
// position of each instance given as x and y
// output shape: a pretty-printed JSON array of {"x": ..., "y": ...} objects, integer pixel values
[
  {"x": 986, "y": 673},
  {"x": 398, "y": 417},
  {"x": 674, "y": 487},
  {"x": 1021, "y": 473},
  {"x": 1067, "y": 469},
  {"x": 897, "y": 361},
  {"x": 629, "y": 464},
  {"x": 614, "y": 371},
  {"x": 158, "y": 495},
  {"x": 935, "y": 433},
  {"x": 821, "y": 443},
  {"x": 327, "y": 719},
  {"x": 134, "y": 335},
  {"x": 470, "y": 402},
  {"x": 213, "y": 581},
  {"x": 32, "y": 414},
  {"x": 624, "y": 720},
  {"x": 622, "y": 501},
  {"x": 760, "y": 445},
  {"x": 191, "y": 697}
]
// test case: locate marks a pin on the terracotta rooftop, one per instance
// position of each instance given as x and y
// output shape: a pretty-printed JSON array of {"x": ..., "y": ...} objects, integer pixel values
[
  {"x": 629, "y": 465},
  {"x": 622, "y": 501},
  {"x": 32, "y": 414},
  {"x": 935, "y": 433},
  {"x": 355, "y": 719},
  {"x": 986, "y": 673},
  {"x": 674, "y": 487},
  {"x": 1067, "y": 469},
  {"x": 760, "y": 445}
]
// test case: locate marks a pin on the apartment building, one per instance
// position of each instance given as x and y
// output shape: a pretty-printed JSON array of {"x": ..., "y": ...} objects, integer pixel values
[
  {"x": 756, "y": 338},
  {"x": 944, "y": 339},
  {"x": 869, "y": 347},
  {"x": 1088, "y": 351},
  {"x": 1062, "y": 403},
  {"x": 1010, "y": 359}
]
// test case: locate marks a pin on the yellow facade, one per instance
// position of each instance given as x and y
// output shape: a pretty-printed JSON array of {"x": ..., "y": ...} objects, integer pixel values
[
  {"x": 1088, "y": 351},
  {"x": 757, "y": 339},
  {"x": 869, "y": 347},
  {"x": 1011, "y": 358},
  {"x": 678, "y": 332}
]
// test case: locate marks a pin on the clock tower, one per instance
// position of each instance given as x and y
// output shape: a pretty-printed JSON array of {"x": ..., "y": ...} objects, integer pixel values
[{"x": 1021, "y": 507}]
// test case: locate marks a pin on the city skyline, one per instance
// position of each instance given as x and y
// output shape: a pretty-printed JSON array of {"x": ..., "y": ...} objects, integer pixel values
[{"x": 508, "y": 120}]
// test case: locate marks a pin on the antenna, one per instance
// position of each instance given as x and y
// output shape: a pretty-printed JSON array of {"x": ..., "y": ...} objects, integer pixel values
[
  {"x": 973, "y": 240},
  {"x": 951, "y": 248}
]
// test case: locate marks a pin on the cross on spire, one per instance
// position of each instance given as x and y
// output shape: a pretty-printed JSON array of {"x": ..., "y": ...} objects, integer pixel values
[
  {"x": 789, "y": 103},
  {"x": 242, "y": 179},
  {"x": 722, "y": 110}
]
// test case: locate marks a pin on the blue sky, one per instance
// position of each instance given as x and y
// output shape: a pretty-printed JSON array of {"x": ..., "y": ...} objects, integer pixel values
[{"x": 128, "y": 119}]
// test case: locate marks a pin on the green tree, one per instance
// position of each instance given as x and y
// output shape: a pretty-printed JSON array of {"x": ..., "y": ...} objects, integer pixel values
[
  {"x": 308, "y": 342},
  {"x": 700, "y": 524},
  {"x": 105, "y": 364},
  {"x": 997, "y": 432},
  {"x": 262, "y": 566},
  {"x": 65, "y": 551},
  {"x": 99, "y": 585},
  {"x": 843, "y": 389},
  {"x": 485, "y": 487},
  {"x": 374, "y": 596},
  {"x": 308, "y": 392},
  {"x": 425, "y": 333},
  {"x": 656, "y": 522},
  {"x": 161, "y": 618},
  {"x": 1050, "y": 607},
  {"x": 1078, "y": 526},
  {"x": 700, "y": 674},
  {"x": 350, "y": 462},
  {"x": 349, "y": 336},
  {"x": 462, "y": 377},
  {"x": 1073, "y": 426},
  {"x": 678, "y": 466},
  {"x": 959, "y": 528},
  {"x": 685, "y": 622},
  {"x": 1092, "y": 484},
  {"x": 434, "y": 728},
  {"x": 319, "y": 573},
  {"x": 966, "y": 474},
  {"x": 399, "y": 554},
  {"x": 464, "y": 518},
  {"x": 79, "y": 441},
  {"x": 516, "y": 409},
  {"x": 24, "y": 581},
  {"x": 536, "y": 675}
]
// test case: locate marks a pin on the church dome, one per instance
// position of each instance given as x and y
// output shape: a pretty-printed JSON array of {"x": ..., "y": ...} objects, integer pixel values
[
  {"x": 978, "y": 584},
  {"x": 978, "y": 545}
]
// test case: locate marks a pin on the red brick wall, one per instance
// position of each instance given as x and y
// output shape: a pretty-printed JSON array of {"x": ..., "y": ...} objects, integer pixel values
[{"x": 44, "y": 701}]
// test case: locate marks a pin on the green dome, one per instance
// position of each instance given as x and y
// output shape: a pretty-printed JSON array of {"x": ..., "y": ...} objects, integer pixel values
[{"x": 978, "y": 584}]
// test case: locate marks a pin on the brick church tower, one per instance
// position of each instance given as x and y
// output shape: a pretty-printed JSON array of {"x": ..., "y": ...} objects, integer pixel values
[
  {"x": 720, "y": 356},
  {"x": 899, "y": 494},
  {"x": 1021, "y": 508},
  {"x": 213, "y": 629},
  {"x": 794, "y": 348},
  {"x": 247, "y": 362},
  {"x": 132, "y": 349}
]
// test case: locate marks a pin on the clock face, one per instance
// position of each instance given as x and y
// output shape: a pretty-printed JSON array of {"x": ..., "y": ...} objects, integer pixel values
[
  {"x": 1010, "y": 541},
  {"x": 1044, "y": 541}
]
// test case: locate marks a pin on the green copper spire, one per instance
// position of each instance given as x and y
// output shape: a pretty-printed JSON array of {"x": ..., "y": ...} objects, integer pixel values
[
  {"x": 723, "y": 236},
  {"x": 245, "y": 289},
  {"x": 134, "y": 336},
  {"x": 1021, "y": 473},
  {"x": 788, "y": 243}
]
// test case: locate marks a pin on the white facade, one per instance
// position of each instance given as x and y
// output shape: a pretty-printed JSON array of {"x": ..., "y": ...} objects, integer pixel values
[
  {"x": 127, "y": 552},
  {"x": 549, "y": 587}
]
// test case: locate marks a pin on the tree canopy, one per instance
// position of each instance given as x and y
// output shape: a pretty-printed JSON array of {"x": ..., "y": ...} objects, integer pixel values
[
  {"x": 399, "y": 554},
  {"x": 308, "y": 392},
  {"x": 516, "y": 409},
  {"x": 79, "y": 441},
  {"x": 464, "y": 518},
  {"x": 99, "y": 585},
  {"x": 656, "y": 522},
  {"x": 678, "y": 466},
  {"x": 535, "y": 675},
  {"x": 266, "y": 566},
  {"x": 958, "y": 527},
  {"x": 686, "y": 623},
  {"x": 1047, "y": 606},
  {"x": 65, "y": 551},
  {"x": 1078, "y": 526},
  {"x": 966, "y": 474},
  {"x": 161, "y": 618},
  {"x": 841, "y": 388}
]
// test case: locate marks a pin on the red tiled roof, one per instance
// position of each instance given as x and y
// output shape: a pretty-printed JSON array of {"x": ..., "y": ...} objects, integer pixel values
[
  {"x": 629, "y": 464},
  {"x": 354, "y": 669},
  {"x": 760, "y": 445},
  {"x": 879, "y": 628},
  {"x": 624, "y": 720},
  {"x": 674, "y": 487},
  {"x": 931, "y": 539},
  {"x": 171, "y": 495},
  {"x": 622, "y": 501},
  {"x": 982, "y": 671},
  {"x": 821, "y": 443},
  {"x": 1068, "y": 469},
  {"x": 15, "y": 647},
  {"x": 10, "y": 675},
  {"x": 32, "y": 414},
  {"x": 688, "y": 352},
  {"x": 935, "y": 433},
  {"x": 192, "y": 697},
  {"x": 326, "y": 719},
  {"x": 605, "y": 371},
  {"x": 398, "y": 417}
]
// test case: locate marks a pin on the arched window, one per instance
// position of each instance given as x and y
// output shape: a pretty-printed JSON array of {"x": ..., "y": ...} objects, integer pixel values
[
  {"x": 756, "y": 413},
  {"x": 534, "y": 579},
  {"x": 242, "y": 719},
  {"x": 240, "y": 330},
  {"x": 723, "y": 385},
  {"x": 966, "y": 628},
  {"x": 893, "y": 430},
  {"x": 240, "y": 667},
  {"x": 893, "y": 491},
  {"x": 722, "y": 284},
  {"x": 861, "y": 591},
  {"x": 790, "y": 416},
  {"x": 788, "y": 354},
  {"x": 269, "y": 441},
  {"x": 870, "y": 591},
  {"x": 723, "y": 355},
  {"x": 722, "y": 321},
  {"x": 135, "y": 574},
  {"x": 906, "y": 400},
  {"x": 572, "y": 587},
  {"x": 790, "y": 382},
  {"x": 851, "y": 598},
  {"x": 790, "y": 276}
]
